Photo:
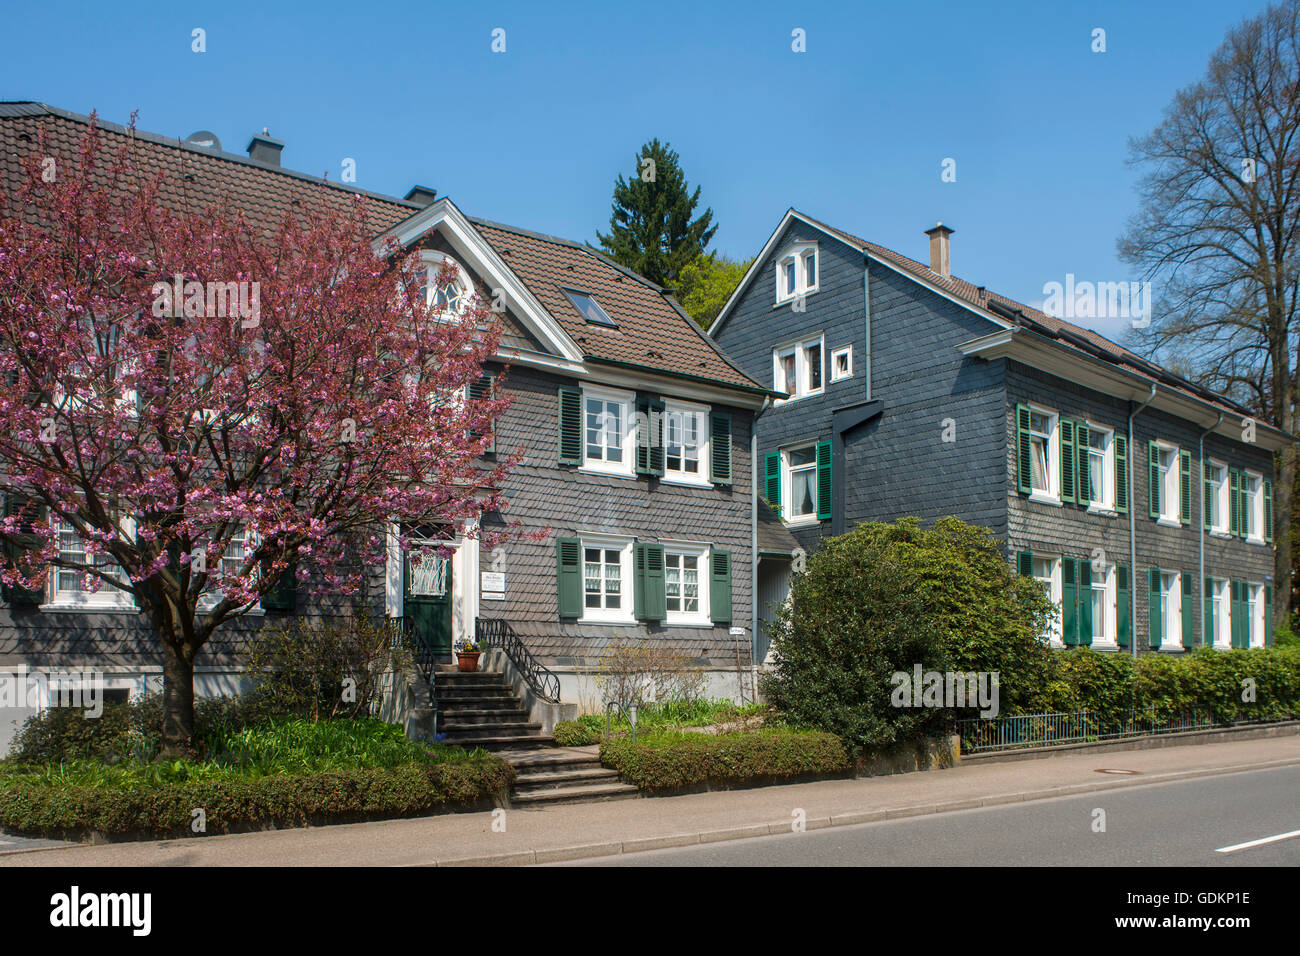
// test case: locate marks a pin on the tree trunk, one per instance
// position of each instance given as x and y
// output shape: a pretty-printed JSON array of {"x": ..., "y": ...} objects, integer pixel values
[{"x": 178, "y": 702}]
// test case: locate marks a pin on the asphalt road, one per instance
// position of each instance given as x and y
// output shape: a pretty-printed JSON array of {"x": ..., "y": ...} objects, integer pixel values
[{"x": 1181, "y": 823}]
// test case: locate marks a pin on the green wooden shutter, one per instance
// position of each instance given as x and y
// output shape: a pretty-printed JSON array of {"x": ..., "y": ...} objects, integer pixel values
[
  {"x": 649, "y": 435},
  {"x": 1268, "y": 510},
  {"x": 1120, "y": 443},
  {"x": 1085, "y": 477},
  {"x": 1069, "y": 602},
  {"x": 772, "y": 479},
  {"x": 1123, "y": 607},
  {"x": 720, "y": 448},
  {"x": 1268, "y": 615},
  {"x": 1207, "y": 494},
  {"x": 824, "y": 497},
  {"x": 1153, "y": 479},
  {"x": 284, "y": 593},
  {"x": 570, "y": 426},
  {"x": 1085, "y": 602},
  {"x": 1188, "y": 609},
  {"x": 15, "y": 505},
  {"x": 485, "y": 388},
  {"x": 649, "y": 596},
  {"x": 1024, "y": 463},
  {"x": 1235, "y": 638},
  {"x": 720, "y": 586},
  {"x": 1155, "y": 626},
  {"x": 1067, "y": 461},
  {"x": 1025, "y": 563},
  {"x": 568, "y": 576},
  {"x": 1207, "y": 612},
  {"x": 1185, "y": 487},
  {"x": 1234, "y": 502}
]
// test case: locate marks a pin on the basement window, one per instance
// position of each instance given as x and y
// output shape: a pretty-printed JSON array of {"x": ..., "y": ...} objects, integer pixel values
[{"x": 589, "y": 308}]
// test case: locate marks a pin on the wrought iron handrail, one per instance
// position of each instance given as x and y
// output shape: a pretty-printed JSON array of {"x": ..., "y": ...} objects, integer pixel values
[
  {"x": 426, "y": 662},
  {"x": 499, "y": 634}
]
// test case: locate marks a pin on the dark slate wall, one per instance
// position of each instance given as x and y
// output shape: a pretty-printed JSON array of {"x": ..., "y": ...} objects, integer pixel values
[
  {"x": 543, "y": 495},
  {"x": 900, "y": 463},
  {"x": 1073, "y": 532}
]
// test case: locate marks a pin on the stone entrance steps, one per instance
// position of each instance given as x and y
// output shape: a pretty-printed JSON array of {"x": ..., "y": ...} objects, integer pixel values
[{"x": 563, "y": 775}]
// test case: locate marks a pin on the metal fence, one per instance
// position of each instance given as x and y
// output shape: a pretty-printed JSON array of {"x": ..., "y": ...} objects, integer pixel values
[{"x": 1046, "y": 730}]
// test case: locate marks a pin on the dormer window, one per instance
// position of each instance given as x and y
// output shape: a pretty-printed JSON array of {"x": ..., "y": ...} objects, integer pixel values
[
  {"x": 796, "y": 272},
  {"x": 589, "y": 308},
  {"x": 447, "y": 297}
]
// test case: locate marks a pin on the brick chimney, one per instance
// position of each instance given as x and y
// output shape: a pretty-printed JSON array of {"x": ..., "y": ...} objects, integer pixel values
[
  {"x": 264, "y": 149},
  {"x": 940, "y": 260},
  {"x": 421, "y": 195}
]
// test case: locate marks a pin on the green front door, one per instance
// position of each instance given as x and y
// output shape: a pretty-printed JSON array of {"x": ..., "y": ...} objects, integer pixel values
[{"x": 426, "y": 581}]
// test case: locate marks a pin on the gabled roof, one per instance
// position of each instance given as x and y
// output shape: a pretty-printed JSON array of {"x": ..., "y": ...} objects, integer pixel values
[
  {"x": 1005, "y": 313},
  {"x": 653, "y": 334}
]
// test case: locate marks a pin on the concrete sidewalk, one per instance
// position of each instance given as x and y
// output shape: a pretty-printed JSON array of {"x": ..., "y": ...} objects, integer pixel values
[{"x": 575, "y": 831}]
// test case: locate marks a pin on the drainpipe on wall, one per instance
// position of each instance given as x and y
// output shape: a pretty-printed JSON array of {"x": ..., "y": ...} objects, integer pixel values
[
  {"x": 1132, "y": 532},
  {"x": 1200, "y": 453},
  {"x": 753, "y": 543}
]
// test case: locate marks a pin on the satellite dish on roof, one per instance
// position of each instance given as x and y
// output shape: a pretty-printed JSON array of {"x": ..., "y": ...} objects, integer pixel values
[{"x": 204, "y": 139}]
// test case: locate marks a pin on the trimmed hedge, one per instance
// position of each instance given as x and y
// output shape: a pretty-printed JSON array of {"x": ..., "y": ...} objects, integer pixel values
[
  {"x": 570, "y": 733},
  {"x": 260, "y": 803},
  {"x": 688, "y": 761}
]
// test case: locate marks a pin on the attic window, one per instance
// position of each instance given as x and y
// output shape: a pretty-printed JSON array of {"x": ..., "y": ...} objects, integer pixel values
[{"x": 589, "y": 308}]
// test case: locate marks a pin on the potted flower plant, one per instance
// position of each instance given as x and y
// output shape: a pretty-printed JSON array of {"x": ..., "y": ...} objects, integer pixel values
[{"x": 467, "y": 655}]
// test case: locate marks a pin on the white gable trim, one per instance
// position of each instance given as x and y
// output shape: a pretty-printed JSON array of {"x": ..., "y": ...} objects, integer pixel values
[
  {"x": 769, "y": 246},
  {"x": 473, "y": 250}
]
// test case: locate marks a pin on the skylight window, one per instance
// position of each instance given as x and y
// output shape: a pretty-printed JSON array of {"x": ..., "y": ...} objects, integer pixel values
[{"x": 589, "y": 308}]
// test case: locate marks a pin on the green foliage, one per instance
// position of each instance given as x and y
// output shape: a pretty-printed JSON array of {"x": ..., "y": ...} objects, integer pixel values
[
  {"x": 268, "y": 801},
  {"x": 1285, "y": 636},
  {"x": 573, "y": 733},
  {"x": 668, "y": 762},
  {"x": 706, "y": 283},
  {"x": 652, "y": 231},
  {"x": 885, "y": 597},
  {"x": 324, "y": 669}
]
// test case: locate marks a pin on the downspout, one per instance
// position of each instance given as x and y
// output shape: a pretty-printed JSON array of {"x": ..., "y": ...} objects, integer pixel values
[
  {"x": 753, "y": 542},
  {"x": 1200, "y": 453},
  {"x": 1132, "y": 532}
]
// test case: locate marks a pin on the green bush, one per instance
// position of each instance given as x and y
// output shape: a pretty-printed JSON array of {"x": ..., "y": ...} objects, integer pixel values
[
  {"x": 885, "y": 597},
  {"x": 670, "y": 762},
  {"x": 1285, "y": 636},
  {"x": 270, "y": 801},
  {"x": 573, "y": 733}
]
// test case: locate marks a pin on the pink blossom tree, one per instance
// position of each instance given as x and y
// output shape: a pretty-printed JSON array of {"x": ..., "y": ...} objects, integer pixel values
[{"x": 210, "y": 404}]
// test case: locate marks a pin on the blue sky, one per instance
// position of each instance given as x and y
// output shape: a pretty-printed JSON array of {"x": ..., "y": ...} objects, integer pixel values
[{"x": 853, "y": 131}]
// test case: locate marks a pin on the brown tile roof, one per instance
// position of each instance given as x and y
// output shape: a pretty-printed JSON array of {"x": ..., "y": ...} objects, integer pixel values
[
  {"x": 1066, "y": 334},
  {"x": 652, "y": 331}
]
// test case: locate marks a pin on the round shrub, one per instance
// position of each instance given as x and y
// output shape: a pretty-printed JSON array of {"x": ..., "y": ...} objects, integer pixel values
[{"x": 570, "y": 733}]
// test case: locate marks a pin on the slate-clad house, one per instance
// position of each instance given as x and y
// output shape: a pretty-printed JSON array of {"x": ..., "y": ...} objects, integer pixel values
[
  {"x": 1137, "y": 497},
  {"x": 649, "y": 538}
]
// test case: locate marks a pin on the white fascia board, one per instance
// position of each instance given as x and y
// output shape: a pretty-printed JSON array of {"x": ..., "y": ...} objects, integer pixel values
[
  {"x": 670, "y": 386},
  {"x": 1101, "y": 376},
  {"x": 476, "y": 252},
  {"x": 755, "y": 267}
]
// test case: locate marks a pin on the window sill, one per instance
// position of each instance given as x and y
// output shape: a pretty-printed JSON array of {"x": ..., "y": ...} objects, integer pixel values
[
  {"x": 1165, "y": 522},
  {"x": 781, "y": 303},
  {"x": 604, "y": 620},
  {"x": 1045, "y": 499},
  {"x": 605, "y": 472},
  {"x": 1256, "y": 541},
  {"x": 1102, "y": 510},
  {"x": 802, "y": 522},
  {"x": 692, "y": 622},
  {"x": 62, "y": 606},
  {"x": 794, "y": 398},
  {"x": 685, "y": 482},
  {"x": 1217, "y": 533}
]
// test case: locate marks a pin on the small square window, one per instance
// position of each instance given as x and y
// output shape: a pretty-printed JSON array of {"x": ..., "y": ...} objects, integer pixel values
[
  {"x": 589, "y": 308},
  {"x": 842, "y": 363}
]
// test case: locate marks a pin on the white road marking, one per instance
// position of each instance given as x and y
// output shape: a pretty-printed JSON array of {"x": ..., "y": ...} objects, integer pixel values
[{"x": 1260, "y": 842}]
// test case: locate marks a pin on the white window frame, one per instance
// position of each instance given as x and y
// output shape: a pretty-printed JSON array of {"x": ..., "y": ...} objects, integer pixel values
[
  {"x": 1170, "y": 499},
  {"x": 625, "y": 612},
  {"x": 1052, "y": 494},
  {"x": 836, "y": 374},
  {"x": 627, "y": 402},
  {"x": 1171, "y": 611},
  {"x": 1107, "y": 587},
  {"x": 1105, "y": 502},
  {"x": 802, "y": 368},
  {"x": 701, "y": 552},
  {"x": 1219, "y": 491},
  {"x": 1255, "y": 613},
  {"x": 433, "y": 261},
  {"x": 1221, "y": 599},
  {"x": 211, "y": 596},
  {"x": 1254, "y": 505},
  {"x": 787, "y": 485},
  {"x": 107, "y": 598},
  {"x": 680, "y": 476},
  {"x": 797, "y": 254},
  {"x": 1053, "y": 582}
]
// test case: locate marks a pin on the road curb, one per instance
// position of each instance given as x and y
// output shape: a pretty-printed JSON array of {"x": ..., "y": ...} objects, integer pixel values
[{"x": 855, "y": 818}]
